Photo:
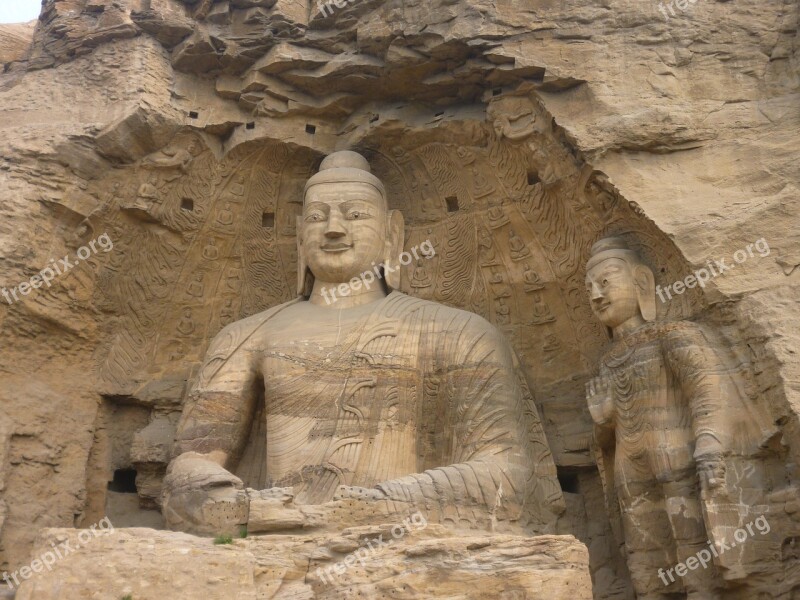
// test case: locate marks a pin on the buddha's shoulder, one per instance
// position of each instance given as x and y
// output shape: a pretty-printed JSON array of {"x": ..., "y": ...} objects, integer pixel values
[
  {"x": 399, "y": 305},
  {"x": 250, "y": 329}
]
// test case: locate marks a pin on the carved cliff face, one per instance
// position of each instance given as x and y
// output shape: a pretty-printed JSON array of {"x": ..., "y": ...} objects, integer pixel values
[
  {"x": 612, "y": 290},
  {"x": 516, "y": 119},
  {"x": 344, "y": 229}
]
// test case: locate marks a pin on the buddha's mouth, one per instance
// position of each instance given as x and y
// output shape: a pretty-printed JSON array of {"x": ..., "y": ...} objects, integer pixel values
[
  {"x": 601, "y": 308},
  {"x": 337, "y": 247}
]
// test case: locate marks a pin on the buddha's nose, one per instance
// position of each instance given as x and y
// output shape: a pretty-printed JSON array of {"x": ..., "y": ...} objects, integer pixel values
[
  {"x": 335, "y": 227},
  {"x": 596, "y": 294}
]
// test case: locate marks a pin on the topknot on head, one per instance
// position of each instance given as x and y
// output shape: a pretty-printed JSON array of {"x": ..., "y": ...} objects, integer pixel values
[{"x": 345, "y": 159}]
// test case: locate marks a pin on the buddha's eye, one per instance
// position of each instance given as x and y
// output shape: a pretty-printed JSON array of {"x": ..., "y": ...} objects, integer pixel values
[
  {"x": 315, "y": 217},
  {"x": 354, "y": 215},
  {"x": 605, "y": 282}
]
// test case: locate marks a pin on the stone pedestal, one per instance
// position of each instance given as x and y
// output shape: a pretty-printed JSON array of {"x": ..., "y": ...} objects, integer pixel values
[{"x": 386, "y": 561}]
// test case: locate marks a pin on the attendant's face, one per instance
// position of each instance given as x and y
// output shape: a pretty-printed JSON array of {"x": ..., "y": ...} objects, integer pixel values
[
  {"x": 344, "y": 230},
  {"x": 612, "y": 291}
]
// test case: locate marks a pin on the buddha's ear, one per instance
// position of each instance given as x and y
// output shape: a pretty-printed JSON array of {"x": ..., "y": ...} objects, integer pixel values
[
  {"x": 645, "y": 291},
  {"x": 395, "y": 239},
  {"x": 305, "y": 279}
]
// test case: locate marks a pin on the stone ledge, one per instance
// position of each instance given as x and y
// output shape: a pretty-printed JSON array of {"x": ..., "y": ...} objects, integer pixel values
[{"x": 426, "y": 563}]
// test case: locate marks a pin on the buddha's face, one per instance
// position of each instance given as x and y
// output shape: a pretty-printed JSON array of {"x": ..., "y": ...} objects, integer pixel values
[
  {"x": 612, "y": 291},
  {"x": 344, "y": 230}
]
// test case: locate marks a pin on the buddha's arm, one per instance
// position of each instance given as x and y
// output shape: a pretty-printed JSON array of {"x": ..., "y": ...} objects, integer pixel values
[
  {"x": 200, "y": 493},
  {"x": 486, "y": 464},
  {"x": 695, "y": 364},
  {"x": 218, "y": 412}
]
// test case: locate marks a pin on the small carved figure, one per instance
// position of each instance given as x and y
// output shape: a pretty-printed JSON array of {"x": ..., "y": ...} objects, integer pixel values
[
  {"x": 171, "y": 158},
  {"x": 227, "y": 314},
  {"x": 147, "y": 197},
  {"x": 465, "y": 155},
  {"x": 503, "y": 312},
  {"x": 599, "y": 199},
  {"x": 225, "y": 216},
  {"x": 531, "y": 279},
  {"x": 518, "y": 248},
  {"x": 237, "y": 189},
  {"x": 515, "y": 119},
  {"x": 551, "y": 343},
  {"x": 502, "y": 290},
  {"x": 541, "y": 312},
  {"x": 186, "y": 325},
  {"x": 486, "y": 248},
  {"x": 234, "y": 280},
  {"x": 497, "y": 216},
  {"x": 196, "y": 287},
  {"x": 481, "y": 183},
  {"x": 420, "y": 278},
  {"x": 211, "y": 252}
]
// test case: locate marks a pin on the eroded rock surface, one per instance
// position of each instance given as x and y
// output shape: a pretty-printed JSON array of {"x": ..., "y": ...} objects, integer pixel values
[
  {"x": 430, "y": 563},
  {"x": 512, "y": 134}
]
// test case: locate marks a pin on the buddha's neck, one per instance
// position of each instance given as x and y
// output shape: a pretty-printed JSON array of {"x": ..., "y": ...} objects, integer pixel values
[
  {"x": 343, "y": 295},
  {"x": 620, "y": 331}
]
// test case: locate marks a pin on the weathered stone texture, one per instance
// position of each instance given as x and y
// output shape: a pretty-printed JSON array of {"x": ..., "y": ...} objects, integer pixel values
[
  {"x": 165, "y": 123},
  {"x": 425, "y": 564}
]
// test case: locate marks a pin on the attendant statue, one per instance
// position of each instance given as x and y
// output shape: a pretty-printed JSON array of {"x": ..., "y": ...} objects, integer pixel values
[
  {"x": 670, "y": 416},
  {"x": 370, "y": 407}
]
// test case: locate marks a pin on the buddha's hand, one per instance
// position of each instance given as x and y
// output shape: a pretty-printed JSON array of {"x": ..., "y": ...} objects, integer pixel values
[
  {"x": 600, "y": 400},
  {"x": 710, "y": 458},
  {"x": 351, "y": 492},
  {"x": 200, "y": 496}
]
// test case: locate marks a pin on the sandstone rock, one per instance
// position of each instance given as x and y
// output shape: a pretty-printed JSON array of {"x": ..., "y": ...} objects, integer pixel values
[
  {"x": 149, "y": 564},
  {"x": 15, "y": 41},
  {"x": 677, "y": 130}
]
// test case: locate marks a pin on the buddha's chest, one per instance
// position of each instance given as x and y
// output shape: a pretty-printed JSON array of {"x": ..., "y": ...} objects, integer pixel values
[
  {"x": 638, "y": 377},
  {"x": 337, "y": 375}
]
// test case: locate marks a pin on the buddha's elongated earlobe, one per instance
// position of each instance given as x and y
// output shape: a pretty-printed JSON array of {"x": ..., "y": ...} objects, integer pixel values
[
  {"x": 395, "y": 238},
  {"x": 645, "y": 291},
  {"x": 305, "y": 279}
]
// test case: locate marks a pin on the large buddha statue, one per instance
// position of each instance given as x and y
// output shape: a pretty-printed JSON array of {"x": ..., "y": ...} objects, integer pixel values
[{"x": 370, "y": 405}]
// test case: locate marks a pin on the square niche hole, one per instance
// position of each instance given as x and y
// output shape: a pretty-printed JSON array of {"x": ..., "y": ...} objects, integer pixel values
[
  {"x": 533, "y": 178},
  {"x": 251, "y": 125},
  {"x": 268, "y": 219},
  {"x": 193, "y": 114},
  {"x": 452, "y": 204},
  {"x": 312, "y": 129},
  {"x": 568, "y": 480},
  {"x": 124, "y": 481},
  {"x": 187, "y": 204}
]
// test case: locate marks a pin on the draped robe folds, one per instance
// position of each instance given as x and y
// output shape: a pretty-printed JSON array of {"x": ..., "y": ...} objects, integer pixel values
[{"x": 417, "y": 399}]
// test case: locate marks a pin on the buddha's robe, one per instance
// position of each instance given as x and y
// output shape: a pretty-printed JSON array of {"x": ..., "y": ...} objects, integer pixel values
[{"x": 417, "y": 399}]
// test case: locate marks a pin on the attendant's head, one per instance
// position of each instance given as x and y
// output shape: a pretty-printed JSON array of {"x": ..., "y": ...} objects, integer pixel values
[{"x": 621, "y": 287}]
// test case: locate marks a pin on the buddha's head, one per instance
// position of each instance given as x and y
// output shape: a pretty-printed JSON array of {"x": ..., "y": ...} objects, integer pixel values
[
  {"x": 346, "y": 228},
  {"x": 621, "y": 287}
]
